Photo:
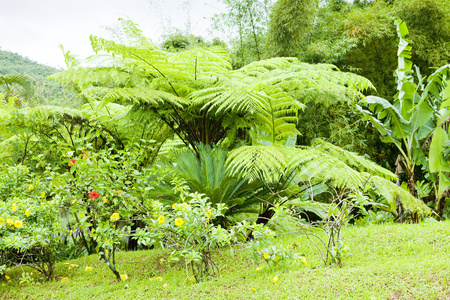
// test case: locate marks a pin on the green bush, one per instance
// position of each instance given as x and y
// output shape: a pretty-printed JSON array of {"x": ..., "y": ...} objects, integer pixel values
[{"x": 30, "y": 227}]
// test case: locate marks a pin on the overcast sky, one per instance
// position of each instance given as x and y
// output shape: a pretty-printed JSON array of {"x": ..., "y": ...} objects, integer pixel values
[{"x": 36, "y": 28}]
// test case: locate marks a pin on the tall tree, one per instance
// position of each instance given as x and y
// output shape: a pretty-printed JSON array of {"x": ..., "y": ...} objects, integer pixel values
[
  {"x": 245, "y": 23},
  {"x": 290, "y": 22}
]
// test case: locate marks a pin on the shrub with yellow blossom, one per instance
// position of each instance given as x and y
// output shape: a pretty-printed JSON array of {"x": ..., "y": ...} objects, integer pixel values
[
  {"x": 187, "y": 228},
  {"x": 29, "y": 225}
]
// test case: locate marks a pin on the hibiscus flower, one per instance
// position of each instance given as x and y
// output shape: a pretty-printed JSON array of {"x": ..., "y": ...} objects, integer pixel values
[{"x": 94, "y": 195}]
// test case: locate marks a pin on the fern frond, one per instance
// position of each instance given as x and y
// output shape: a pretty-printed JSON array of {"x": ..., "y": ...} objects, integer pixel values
[
  {"x": 266, "y": 163},
  {"x": 390, "y": 191},
  {"x": 320, "y": 166},
  {"x": 221, "y": 99},
  {"x": 153, "y": 98},
  {"x": 257, "y": 68},
  {"x": 353, "y": 160},
  {"x": 18, "y": 84},
  {"x": 202, "y": 63}
]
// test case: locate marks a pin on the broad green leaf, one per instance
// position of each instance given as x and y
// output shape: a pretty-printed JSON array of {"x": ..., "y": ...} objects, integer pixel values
[
  {"x": 444, "y": 184},
  {"x": 446, "y": 95},
  {"x": 437, "y": 145},
  {"x": 421, "y": 115},
  {"x": 403, "y": 30}
]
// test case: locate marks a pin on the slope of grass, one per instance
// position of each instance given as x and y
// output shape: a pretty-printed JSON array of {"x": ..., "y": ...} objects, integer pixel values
[{"x": 395, "y": 261}]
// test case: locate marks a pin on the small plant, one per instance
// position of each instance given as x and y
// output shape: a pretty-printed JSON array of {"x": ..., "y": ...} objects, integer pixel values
[
  {"x": 336, "y": 214},
  {"x": 27, "y": 277},
  {"x": 262, "y": 248},
  {"x": 185, "y": 229}
]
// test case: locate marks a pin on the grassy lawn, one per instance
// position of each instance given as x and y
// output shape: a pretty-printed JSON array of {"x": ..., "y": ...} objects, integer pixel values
[{"x": 395, "y": 261}]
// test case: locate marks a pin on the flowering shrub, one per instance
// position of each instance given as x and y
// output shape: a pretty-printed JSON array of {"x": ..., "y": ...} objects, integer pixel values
[
  {"x": 185, "y": 229},
  {"x": 102, "y": 198},
  {"x": 30, "y": 231}
]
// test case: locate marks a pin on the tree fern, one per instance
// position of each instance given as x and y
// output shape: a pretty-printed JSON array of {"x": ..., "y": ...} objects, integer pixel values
[
  {"x": 322, "y": 163},
  {"x": 195, "y": 90}
]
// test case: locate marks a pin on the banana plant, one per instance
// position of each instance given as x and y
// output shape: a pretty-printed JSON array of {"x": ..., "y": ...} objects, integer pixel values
[
  {"x": 414, "y": 116},
  {"x": 439, "y": 160},
  {"x": 409, "y": 120}
]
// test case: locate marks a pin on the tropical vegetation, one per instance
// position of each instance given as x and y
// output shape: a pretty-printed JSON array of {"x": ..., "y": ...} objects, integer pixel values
[{"x": 190, "y": 150}]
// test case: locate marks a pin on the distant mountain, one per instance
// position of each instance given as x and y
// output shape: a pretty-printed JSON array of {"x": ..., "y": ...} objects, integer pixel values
[{"x": 12, "y": 63}]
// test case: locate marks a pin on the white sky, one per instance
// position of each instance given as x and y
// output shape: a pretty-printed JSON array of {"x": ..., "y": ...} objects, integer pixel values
[{"x": 36, "y": 28}]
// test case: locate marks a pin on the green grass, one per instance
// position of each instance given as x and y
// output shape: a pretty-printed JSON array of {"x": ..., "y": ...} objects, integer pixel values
[{"x": 397, "y": 261}]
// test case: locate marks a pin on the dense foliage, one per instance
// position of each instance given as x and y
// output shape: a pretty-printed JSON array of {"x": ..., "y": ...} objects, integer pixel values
[{"x": 174, "y": 149}]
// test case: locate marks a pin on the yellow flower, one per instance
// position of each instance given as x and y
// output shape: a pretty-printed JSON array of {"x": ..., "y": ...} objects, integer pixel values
[
  {"x": 18, "y": 224},
  {"x": 104, "y": 199},
  {"x": 9, "y": 221},
  {"x": 253, "y": 289},
  {"x": 174, "y": 206},
  {"x": 277, "y": 258},
  {"x": 114, "y": 217},
  {"x": 345, "y": 249},
  {"x": 43, "y": 195},
  {"x": 27, "y": 213},
  {"x": 159, "y": 278},
  {"x": 64, "y": 279},
  {"x": 31, "y": 187},
  {"x": 161, "y": 219},
  {"x": 266, "y": 255},
  {"x": 304, "y": 261},
  {"x": 7, "y": 277},
  {"x": 208, "y": 213},
  {"x": 133, "y": 188},
  {"x": 258, "y": 269},
  {"x": 9, "y": 281},
  {"x": 179, "y": 222},
  {"x": 275, "y": 279},
  {"x": 106, "y": 251},
  {"x": 73, "y": 201},
  {"x": 14, "y": 207},
  {"x": 71, "y": 266},
  {"x": 123, "y": 277},
  {"x": 87, "y": 269}
]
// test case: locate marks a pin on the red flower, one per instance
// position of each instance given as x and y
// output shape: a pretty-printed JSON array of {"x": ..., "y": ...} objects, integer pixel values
[
  {"x": 72, "y": 162},
  {"x": 94, "y": 195}
]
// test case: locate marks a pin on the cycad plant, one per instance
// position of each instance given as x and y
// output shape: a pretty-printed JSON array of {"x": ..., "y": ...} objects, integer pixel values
[{"x": 209, "y": 176}]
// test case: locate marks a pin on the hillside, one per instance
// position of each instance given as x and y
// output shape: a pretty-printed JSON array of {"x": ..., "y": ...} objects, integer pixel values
[{"x": 11, "y": 63}]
